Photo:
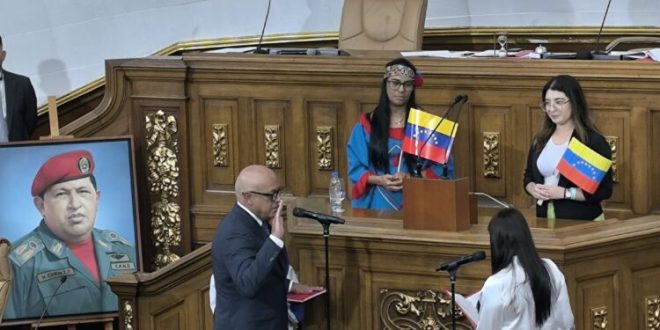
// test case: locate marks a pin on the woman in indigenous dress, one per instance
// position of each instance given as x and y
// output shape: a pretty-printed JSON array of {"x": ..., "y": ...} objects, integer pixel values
[{"x": 376, "y": 166}]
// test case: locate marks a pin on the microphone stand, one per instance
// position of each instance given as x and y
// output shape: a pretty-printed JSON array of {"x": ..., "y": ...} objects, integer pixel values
[
  {"x": 445, "y": 170},
  {"x": 326, "y": 236},
  {"x": 452, "y": 281}
]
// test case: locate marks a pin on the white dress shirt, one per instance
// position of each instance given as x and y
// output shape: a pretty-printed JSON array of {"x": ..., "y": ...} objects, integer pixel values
[{"x": 507, "y": 302}]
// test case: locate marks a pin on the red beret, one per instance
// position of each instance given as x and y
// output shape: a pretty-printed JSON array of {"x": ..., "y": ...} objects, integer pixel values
[{"x": 63, "y": 167}]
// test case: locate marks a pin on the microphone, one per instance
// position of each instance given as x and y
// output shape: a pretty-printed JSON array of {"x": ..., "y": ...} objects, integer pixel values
[
  {"x": 258, "y": 50},
  {"x": 588, "y": 55},
  {"x": 602, "y": 24},
  {"x": 418, "y": 160},
  {"x": 453, "y": 130},
  {"x": 322, "y": 218},
  {"x": 454, "y": 264},
  {"x": 62, "y": 280}
]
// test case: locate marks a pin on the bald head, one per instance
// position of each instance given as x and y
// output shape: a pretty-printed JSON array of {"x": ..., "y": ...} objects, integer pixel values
[
  {"x": 257, "y": 189},
  {"x": 254, "y": 178}
]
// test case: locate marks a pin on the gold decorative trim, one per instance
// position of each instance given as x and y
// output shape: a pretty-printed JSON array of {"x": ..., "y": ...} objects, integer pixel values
[
  {"x": 599, "y": 318},
  {"x": 613, "y": 141},
  {"x": 163, "y": 178},
  {"x": 652, "y": 313},
  {"x": 129, "y": 313},
  {"x": 423, "y": 309},
  {"x": 272, "y": 146},
  {"x": 491, "y": 153},
  {"x": 220, "y": 145},
  {"x": 324, "y": 143}
]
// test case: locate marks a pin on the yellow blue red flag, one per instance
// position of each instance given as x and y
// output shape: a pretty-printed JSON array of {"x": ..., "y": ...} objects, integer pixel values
[
  {"x": 583, "y": 166},
  {"x": 420, "y": 128}
]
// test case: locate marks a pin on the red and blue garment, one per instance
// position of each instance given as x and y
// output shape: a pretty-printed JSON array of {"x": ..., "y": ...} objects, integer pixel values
[{"x": 360, "y": 168}]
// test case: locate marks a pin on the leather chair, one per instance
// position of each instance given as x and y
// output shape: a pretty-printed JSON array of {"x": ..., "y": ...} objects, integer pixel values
[
  {"x": 5, "y": 274},
  {"x": 382, "y": 25}
]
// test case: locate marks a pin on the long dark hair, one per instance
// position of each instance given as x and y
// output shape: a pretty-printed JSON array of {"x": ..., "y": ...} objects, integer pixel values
[
  {"x": 509, "y": 237},
  {"x": 380, "y": 125},
  {"x": 579, "y": 110}
]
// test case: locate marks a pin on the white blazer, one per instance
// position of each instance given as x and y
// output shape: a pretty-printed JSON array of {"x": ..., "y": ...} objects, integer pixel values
[{"x": 507, "y": 302}]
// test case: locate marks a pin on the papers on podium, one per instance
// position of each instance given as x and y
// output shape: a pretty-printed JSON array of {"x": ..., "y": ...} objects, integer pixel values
[{"x": 303, "y": 297}]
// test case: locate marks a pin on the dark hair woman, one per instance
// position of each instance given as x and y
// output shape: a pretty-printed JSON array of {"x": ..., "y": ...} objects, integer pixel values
[
  {"x": 566, "y": 116},
  {"x": 525, "y": 291},
  {"x": 376, "y": 166}
]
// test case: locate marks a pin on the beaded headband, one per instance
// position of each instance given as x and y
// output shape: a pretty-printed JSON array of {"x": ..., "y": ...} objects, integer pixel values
[
  {"x": 399, "y": 69},
  {"x": 404, "y": 71}
]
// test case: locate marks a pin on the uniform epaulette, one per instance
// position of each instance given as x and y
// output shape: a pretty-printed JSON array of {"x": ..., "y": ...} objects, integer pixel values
[
  {"x": 26, "y": 250},
  {"x": 112, "y": 236}
]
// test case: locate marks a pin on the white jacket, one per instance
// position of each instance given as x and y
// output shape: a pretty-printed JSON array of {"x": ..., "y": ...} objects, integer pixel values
[{"x": 507, "y": 302}]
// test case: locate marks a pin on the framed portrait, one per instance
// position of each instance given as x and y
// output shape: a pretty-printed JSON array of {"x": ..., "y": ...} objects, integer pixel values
[{"x": 70, "y": 212}]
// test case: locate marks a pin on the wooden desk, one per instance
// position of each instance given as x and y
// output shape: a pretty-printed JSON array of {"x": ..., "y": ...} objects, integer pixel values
[{"x": 611, "y": 267}]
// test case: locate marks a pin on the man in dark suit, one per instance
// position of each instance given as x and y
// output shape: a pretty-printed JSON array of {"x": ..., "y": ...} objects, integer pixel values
[
  {"x": 18, "y": 104},
  {"x": 249, "y": 260}
]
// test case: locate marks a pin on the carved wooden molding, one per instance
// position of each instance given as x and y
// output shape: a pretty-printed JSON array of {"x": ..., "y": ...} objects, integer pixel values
[
  {"x": 599, "y": 318},
  {"x": 324, "y": 143},
  {"x": 613, "y": 141},
  {"x": 220, "y": 145},
  {"x": 423, "y": 309},
  {"x": 652, "y": 313},
  {"x": 129, "y": 313},
  {"x": 272, "y": 146},
  {"x": 491, "y": 154},
  {"x": 163, "y": 177}
]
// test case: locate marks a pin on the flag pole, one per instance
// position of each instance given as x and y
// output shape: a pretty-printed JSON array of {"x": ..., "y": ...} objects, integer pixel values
[{"x": 398, "y": 168}]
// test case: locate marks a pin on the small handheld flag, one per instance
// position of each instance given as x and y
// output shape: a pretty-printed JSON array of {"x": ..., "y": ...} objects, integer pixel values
[
  {"x": 583, "y": 166},
  {"x": 420, "y": 128}
]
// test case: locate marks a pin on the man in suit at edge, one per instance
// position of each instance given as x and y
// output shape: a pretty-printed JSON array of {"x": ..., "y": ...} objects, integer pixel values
[
  {"x": 18, "y": 104},
  {"x": 250, "y": 263}
]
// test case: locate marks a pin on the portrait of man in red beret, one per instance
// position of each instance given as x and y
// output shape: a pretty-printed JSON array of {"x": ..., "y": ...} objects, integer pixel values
[{"x": 61, "y": 266}]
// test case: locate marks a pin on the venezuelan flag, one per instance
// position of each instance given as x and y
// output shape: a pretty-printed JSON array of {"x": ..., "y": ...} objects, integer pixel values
[
  {"x": 583, "y": 166},
  {"x": 420, "y": 128}
]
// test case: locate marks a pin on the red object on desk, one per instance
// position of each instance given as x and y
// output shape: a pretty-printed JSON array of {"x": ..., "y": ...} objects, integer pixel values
[{"x": 303, "y": 297}]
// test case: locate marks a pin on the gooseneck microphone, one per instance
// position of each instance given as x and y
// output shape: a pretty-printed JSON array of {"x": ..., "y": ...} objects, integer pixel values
[
  {"x": 602, "y": 24},
  {"x": 454, "y": 124},
  {"x": 62, "y": 280},
  {"x": 258, "y": 50},
  {"x": 322, "y": 218},
  {"x": 418, "y": 160},
  {"x": 454, "y": 264},
  {"x": 588, "y": 55}
]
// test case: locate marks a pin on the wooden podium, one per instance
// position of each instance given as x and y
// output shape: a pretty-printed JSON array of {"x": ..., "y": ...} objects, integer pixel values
[{"x": 433, "y": 204}]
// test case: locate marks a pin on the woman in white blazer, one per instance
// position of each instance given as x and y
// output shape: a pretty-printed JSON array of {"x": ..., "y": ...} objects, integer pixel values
[{"x": 525, "y": 291}]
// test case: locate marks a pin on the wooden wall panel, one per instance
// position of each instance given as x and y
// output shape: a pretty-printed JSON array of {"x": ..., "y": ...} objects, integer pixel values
[
  {"x": 646, "y": 296},
  {"x": 595, "y": 295},
  {"x": 172, "y": 318},
  {"x": 494, "y": 121},
  {"x": 322, "y": 128},
  {"x": 614, "y": 123},
  {"x": 654, "y": 158},
  {"x": 219, "y": 116},
  {"x": 270, "y": 129}
]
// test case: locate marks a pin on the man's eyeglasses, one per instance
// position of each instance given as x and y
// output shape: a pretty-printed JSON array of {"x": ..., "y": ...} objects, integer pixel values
[
  {"x": 274, "y": 196},
  {"x": 545, "y": 105},
  {"x": 396, "y": 84}
]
